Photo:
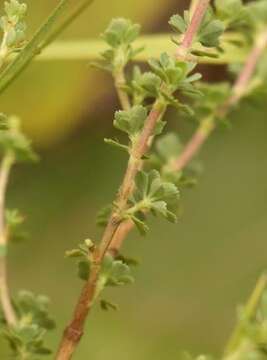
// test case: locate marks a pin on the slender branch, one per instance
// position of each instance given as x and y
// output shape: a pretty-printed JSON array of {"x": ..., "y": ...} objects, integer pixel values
[
  {"x": 199, "y": 138},
  {"x": 206, "y": 127},
  {"x": 3, "y": 50},
  {"x": 242, "y": 82},
  {"x": 5, "y": 299},
  {"x": 238, "y": 91},
  {"x": 249, "y": 312},
  {"x": 120, "y": 82},
  {"x": 74, "y": 331},
  {"x": 199, "y": 12}
]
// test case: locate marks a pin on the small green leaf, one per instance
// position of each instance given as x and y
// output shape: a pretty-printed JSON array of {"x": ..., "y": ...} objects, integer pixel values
[
  {"x": 178, "y": 24},
  {"x": 209, "y": 34},
  {"x": 127, "y": 260},
  {"x": 114, "y": 273},
  {"x": 104, "y": 215},
  {"x": 119, "y": 36},
  {"x": 169, "y": 147},
  {"x": 116, "y": 144},
  {"x": 144, "y": 85},
  {"x": 13, "y": 140},
  {"x": 141, "y": 225},
  {"x": 214, "y": 96},
  {"x": 33, "y": 321},
  {"x": 131, "y": 121},
  {"x": 153, "y": 194},
  {"x": 84, "y": 269},
  {"x": 121, "y": 31},
  {"x": 14, "y": 220},
  {"x": 107, "y": 305}
]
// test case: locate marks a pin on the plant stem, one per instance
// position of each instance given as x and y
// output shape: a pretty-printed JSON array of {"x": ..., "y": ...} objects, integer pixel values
[
  {"x": 245, "y": 76},
  {"x": 74, "y": 331},
  {"x": 238, "y": 91},
  {"x": 248, "y": 314},
  {"x": 196, "y": 142},
  {"x": 5, "y": 299},
  {"x": 198, "y": 15},
  {"x": 207, "y": 126},
  {"x": 120, "y": 82},
  {"x": 41, "y": 38}
]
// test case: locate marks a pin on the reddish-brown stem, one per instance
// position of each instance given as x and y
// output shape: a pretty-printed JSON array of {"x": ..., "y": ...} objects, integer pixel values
[
  {"x": 193, "y": 28},
  {"x": 119, "y": 237},
  {"x": 194, "y": 144},
  {"x": 243, "y": 80},
  {"x": 238, "y": 91},
  {"x": 74, "y": 331}
]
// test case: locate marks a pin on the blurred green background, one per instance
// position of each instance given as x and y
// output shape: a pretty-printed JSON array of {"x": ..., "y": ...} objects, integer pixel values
[{"x": 192, "y": 274}]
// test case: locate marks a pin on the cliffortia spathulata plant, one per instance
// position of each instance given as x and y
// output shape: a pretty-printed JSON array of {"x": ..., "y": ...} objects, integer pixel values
[{"x": 159, "y": 164}]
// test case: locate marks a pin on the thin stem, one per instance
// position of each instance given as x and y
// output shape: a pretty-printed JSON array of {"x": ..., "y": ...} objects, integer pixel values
[
  {"x": 74, "y": 331},
  {"x": 120, "y": 82},
  {"x": 5, "y": 299},
  {"x": 3, "y": 50},
  {"x": 196, "y": 142},
  {"x": 238, "y": 91},
  {"x": 193, "y": 5},
  {"x": 119, "y": 237},
  {"x": 198, "y": 15},
  {"x": 248, "y": 314},
  {"x": 243, "y": 80},
  {"x": 41, "y": 38}
]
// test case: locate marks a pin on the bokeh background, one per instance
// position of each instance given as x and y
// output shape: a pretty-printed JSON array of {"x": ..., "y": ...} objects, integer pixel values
[{"x": 193, "y": 274}]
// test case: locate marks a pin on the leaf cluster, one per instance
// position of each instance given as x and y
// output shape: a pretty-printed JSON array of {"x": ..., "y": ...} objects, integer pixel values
[
  {"x": 132, "y": 123},
  {"x": 13, "y": 141},
  {"x": 26, "y": 338},
  {"x": 175, "y": 76},
  {"x": 214, "y": 96},
  {"x": 167, "y": 76},
  {"x": 237, "y": 15},
  {"x": 14, "y": 220},
  {"x": 83, "y": 254},
  {"x": 152, "y": 195},
  {"x": 114, "y": 272},
  {"x": 13, "y": 26},
  {"x": 166, "y": 151},
  {"x": 119, "y": 36},
  {"x": 208, "y": 35}
]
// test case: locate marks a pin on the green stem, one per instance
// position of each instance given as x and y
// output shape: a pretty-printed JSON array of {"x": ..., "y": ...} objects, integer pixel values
[
  {"x": 120, "y": 82},
  {"x": 248, "y": 314},
  {"x": 42, "y": 37},
  {"x": 5, "y": 299}
]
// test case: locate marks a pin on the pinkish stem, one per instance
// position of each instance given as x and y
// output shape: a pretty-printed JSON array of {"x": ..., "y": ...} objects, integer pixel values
[{"x": 193, "y": 28}]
